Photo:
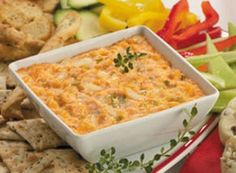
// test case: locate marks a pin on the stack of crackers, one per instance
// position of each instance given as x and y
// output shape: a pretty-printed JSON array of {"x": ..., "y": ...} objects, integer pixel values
[{"x": 27, "y": 143}]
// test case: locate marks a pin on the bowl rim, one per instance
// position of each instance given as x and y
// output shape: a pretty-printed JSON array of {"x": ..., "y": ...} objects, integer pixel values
[{"x": 148, "y": 117}]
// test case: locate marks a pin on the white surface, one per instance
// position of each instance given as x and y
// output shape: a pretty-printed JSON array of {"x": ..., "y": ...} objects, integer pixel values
[
  {"x": 225, "y": 8},
  {"x": 129, "y": 137}
]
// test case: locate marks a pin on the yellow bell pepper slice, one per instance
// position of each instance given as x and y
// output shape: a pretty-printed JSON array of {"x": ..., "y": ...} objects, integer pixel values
[
  {"x": 109, "y": 22},
  {"x": 189, "y": 19},
  {"x": 121, "y": 8},
  {"x": 153, "y": 20},
  {"x": 148, "y": 5},
  {"x": 125, "y": 9}
]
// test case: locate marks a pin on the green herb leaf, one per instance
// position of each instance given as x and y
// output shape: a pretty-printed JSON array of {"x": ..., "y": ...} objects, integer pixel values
[
  {"x": 125, "y": 62},
  {"x": 157, "y": 157},
  {"x": 113, "y": 150},
  {"x": 194, "y": 111},
  {"x": 142, "y": 157},
  {"x": 148, "y": 169},
  {"x": 185, "y": 139},
  {"x": 191, "y": 132},
  {"x": 136, "y": 163},
  {"x": 185, "y": 123},
  {"x": 103, "y": 152},
  {"x": 125, "y": 163},
  {"x": 173, "y": 142},
  {"x": 162, "y": 149}
]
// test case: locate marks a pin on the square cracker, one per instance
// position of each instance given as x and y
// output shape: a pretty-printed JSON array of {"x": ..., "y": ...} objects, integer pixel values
[
  {"x": 17, "y": 160},
  {"x": 37, "y": 133},
  {"x": 71, "y": 165},
  {"x": 14, "y": 144},
  {"x": 7, "y": 134},
  {"x": 3, "y": 168},
  {"x": 4, "y": 95},
  {"x": 3, "y": 83},
  {"x": 59, "y": 161},
  {"x": 2, "y": 120}
]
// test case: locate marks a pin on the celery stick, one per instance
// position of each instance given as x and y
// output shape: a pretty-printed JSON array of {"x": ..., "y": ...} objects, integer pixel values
[
  {"x": 232, "y": 32},
  {"x": 210, "y": 46},
  {"x": 229, "y": 57},
  {"x": 218, "y": 82},
  {"x": 233, "y": 67},
  {"x": 223, "y": 100},
  {"x": 231, "y": 29},
  {"x": 218, "y": 67}
]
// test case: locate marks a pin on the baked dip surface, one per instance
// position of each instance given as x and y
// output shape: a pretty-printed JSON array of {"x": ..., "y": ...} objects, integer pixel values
[{"x": 90, "y": 91}]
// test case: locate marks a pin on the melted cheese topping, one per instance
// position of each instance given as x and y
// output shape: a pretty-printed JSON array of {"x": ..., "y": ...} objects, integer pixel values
[{"x": 88, "y": 92}]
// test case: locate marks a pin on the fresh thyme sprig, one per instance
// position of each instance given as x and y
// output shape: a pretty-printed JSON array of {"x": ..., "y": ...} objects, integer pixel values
[
  {"x": 125, "y": 62},
  {"x": 109, "y": 164}
]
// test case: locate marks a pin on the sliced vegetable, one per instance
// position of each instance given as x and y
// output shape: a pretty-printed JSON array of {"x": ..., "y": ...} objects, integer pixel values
[
  {"x": 89, "y": 19},
  {"x": 233, "y": 67},
  {"x": 231, "y": 29},
  {"x": 64, "y": 4},
  {"x": 174, "y": 20},
  {"x": 212, "y": 18},
  {"x": 121, "y": 9},
  {"x": 218, "y": 82},
  {"x": 220, "y": 45},
  {"x": 97, "y": 9},
  {"x": 223, "y": 100},
  {"x": 151, "y": 13},
  {"x": 149, "y": 19},
  {"x": 214, "y": 32},
  {"x": 59, "y": 14},
  {"x": 203, "y": 68},
  {"x": 229, "y": 57},
  {"x": 148, "y": 5},
  {"x": 78, "y": 4},
  {"x": 210, "y": 46},
  {"x": 109, "y": 22},
  {"x": 217, "y": 66},
  {"x": 189, "y": 19},
  {"x": 232, "y": 32}
]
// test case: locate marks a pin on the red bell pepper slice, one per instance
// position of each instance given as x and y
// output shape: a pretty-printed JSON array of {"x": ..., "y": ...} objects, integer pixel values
[
  {"x": 220, "y": 45},
  {"x": 174, "y": 20},
  {"x": 214, "y": 32},
  {"x": 203, "y": 68},
  {"x": 212, "y": 18}
]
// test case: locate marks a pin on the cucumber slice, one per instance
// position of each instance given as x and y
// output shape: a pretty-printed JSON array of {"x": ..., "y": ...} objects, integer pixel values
[
  {"x": 97, "y": 9},
  {"x": 64, "y": 4},
  {"x": 59, "y": 14},
  {"x": 78, "y": 4},
  {"x": 90, "y": 26}
]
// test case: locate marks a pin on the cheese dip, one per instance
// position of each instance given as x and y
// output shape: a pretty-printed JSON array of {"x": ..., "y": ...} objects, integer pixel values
[{"x": 91, "y": 91}]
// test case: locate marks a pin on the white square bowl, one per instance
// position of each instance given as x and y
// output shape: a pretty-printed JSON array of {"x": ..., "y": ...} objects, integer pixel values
[{"x": 132, "y": 136}]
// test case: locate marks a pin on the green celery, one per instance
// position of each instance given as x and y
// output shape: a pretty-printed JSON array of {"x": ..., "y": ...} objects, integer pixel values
[
  {"x": 229, "y": 57},
  {"x": 232, "y": 32},
  {"x": 210, "y": 46},
  {"x": 233, "y": 67},
  {"x": 220, "y": 68},
  {"x": 223, "y": 100},
  {"x": 218, "y": 82},
  {"x": 231, "y": 29}
]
